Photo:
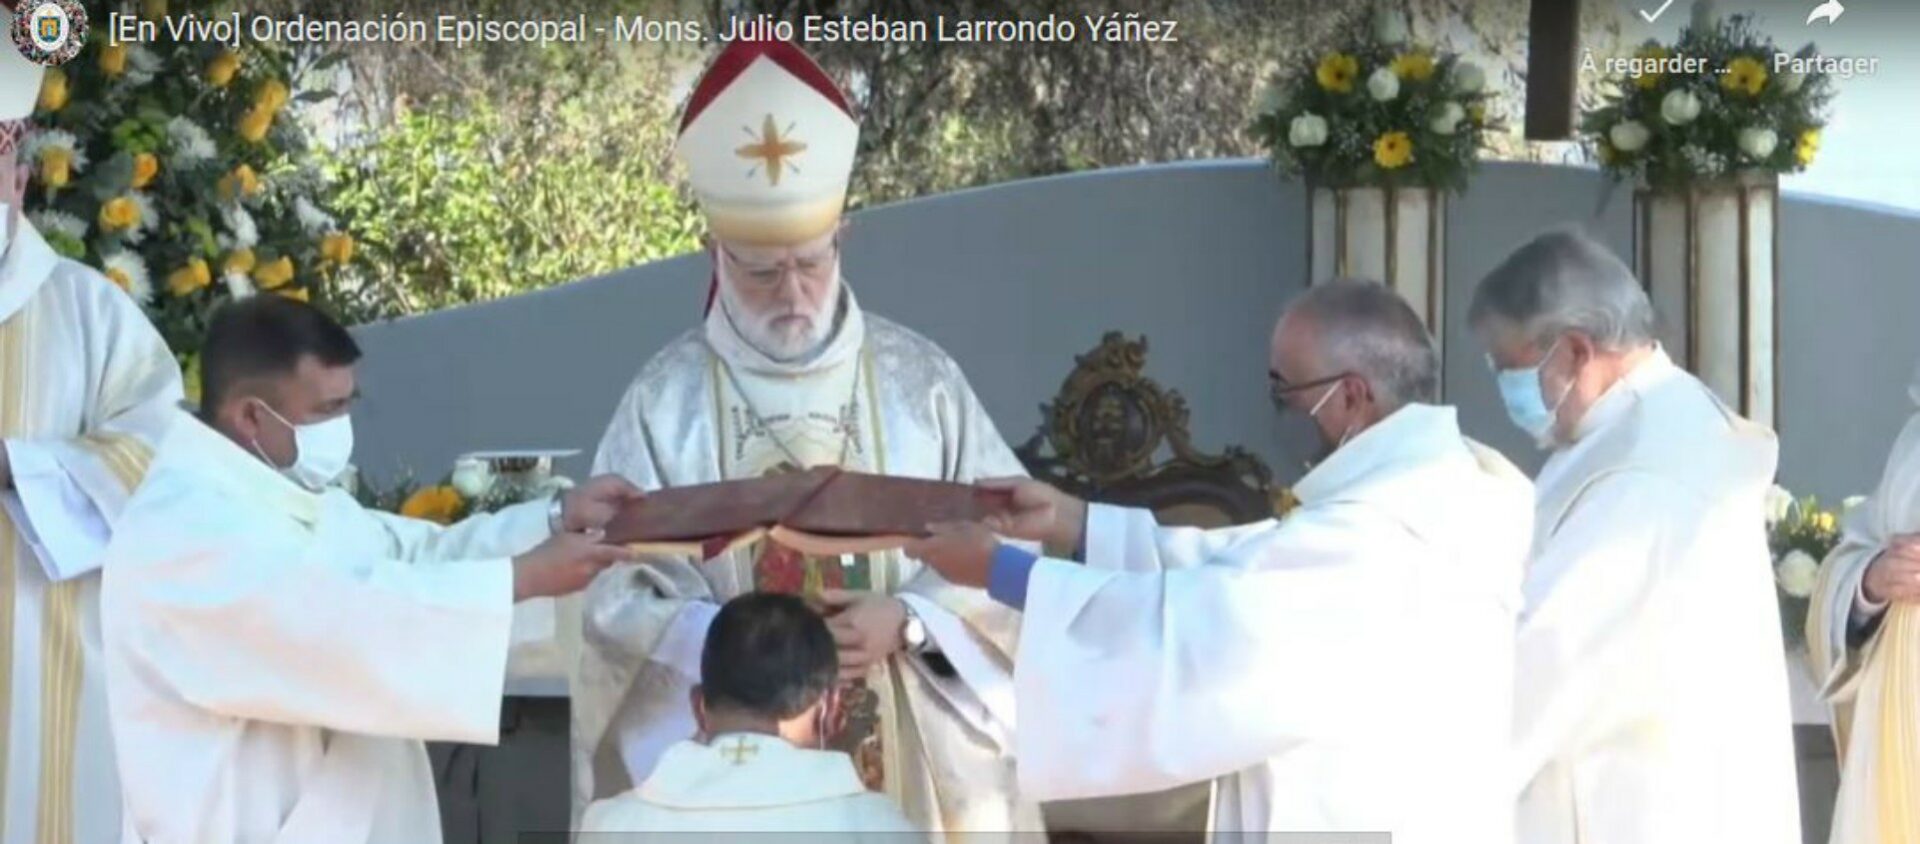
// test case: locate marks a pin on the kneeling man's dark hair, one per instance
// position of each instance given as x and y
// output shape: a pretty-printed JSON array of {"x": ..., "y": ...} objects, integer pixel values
[
  {"x": 767, "y": 654},
  {"x": 265, "y": 337}
]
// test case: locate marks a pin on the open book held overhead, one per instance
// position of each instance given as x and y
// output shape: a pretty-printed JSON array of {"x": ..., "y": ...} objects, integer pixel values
[{"x": 820, "y": 512}]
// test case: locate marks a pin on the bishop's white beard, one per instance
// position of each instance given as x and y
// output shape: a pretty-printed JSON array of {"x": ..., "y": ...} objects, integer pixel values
[{"x": 784, "y": 336}]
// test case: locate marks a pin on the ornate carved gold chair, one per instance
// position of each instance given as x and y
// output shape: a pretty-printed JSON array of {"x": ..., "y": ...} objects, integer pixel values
[{"x": 1113, "y": 435}]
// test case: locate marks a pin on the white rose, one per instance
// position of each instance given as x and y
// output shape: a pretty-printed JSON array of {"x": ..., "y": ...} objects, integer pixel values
[
  {"x": 1680, "y": 107},
  {"x": 1779, "y": 504},
  {"x": 1790, "y": 81},
  {"x": 1796, "y": 573},
  {"x": 1308, "y": 130},
  {"x": 1468, "y": 78},
  {"x": 1384, "y": 84},
  {"x": 1448, "y": 119},
  {"x": 1629, "y": 136},
  {"x": 1851, "y": 502},
  {"x": 472, "y": 478},
  {"x": 1390, "y": 27},
  {"x": 1758, "y": 142}
]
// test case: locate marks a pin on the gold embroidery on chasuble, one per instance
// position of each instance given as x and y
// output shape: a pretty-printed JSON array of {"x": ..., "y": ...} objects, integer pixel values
[{"x": 835, "y": 424}]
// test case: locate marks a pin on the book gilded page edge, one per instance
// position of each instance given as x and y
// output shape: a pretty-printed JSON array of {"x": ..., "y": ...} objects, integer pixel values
[
  {"x": 821, "y": 545},
  {"x": 699, "y": 549}
]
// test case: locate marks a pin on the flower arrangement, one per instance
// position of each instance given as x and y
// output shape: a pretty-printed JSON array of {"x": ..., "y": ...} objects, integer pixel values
[
  {"x": 475, "y": 485},
  {"x": 1711, "y": 105},
  {"x": 1800, "y": 534},
  {"x": 1377, "y": 110},
  {"x": 176, "y": 169}
]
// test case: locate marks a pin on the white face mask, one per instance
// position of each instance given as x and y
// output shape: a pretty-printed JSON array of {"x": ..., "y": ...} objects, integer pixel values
[{"x": 323, "y": 450}]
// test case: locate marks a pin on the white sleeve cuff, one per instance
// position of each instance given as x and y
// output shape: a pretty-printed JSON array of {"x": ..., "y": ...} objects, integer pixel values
[
  {"x": 66, "y": 531},
  {"x": 1863, "y": 609},
  {"x": 686, "y": 639}
]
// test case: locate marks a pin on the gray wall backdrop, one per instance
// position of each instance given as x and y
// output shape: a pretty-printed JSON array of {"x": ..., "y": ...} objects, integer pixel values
[{"x": 1014, "y": 280}]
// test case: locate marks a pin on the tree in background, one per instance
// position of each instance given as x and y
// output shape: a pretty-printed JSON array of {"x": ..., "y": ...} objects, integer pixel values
[{"x": 181, "y": 172}]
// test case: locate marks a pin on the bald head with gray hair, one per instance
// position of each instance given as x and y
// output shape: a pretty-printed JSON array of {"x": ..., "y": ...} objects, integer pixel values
[
  {"x": 1364, "y": 328},
  {"x": 1565, "y": 281}
]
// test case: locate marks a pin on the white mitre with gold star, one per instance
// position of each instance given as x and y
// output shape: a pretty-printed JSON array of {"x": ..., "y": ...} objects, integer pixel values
[{"x": 768, "y": 140}]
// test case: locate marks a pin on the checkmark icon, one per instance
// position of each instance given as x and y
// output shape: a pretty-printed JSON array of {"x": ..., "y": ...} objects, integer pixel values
[{"x": 1656, "y": 13}]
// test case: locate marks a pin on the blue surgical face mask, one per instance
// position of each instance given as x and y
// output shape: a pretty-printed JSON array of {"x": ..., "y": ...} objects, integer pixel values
[{"x": 1526, "y": 401}]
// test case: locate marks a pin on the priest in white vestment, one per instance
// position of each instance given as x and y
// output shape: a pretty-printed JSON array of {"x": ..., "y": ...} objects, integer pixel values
[
  {"x": 1652, "y": 689},
  {"x": 276, "y": 653},
  {"x": 1345, "y": 669},
  {"x": 788, "y": 373},
  {"x": 86, "y": 389},
  {"x": 765, "y": 705},
  {"x": 1863, "y": 636}
]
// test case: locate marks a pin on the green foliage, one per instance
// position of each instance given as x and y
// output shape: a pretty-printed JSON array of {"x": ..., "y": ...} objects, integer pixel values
[
  {"x": 164, "y": 164},
  {"x": 461, "y": 201},
  {"x": 1737, "y": 93}
]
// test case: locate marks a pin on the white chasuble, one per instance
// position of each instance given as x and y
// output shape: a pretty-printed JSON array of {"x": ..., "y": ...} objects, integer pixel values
[
  {"x": 742, "y": 786},
  {"x": 86, "y": 389},
  {"x": 930, "y": 733},
  {"x": 276, "y": 657},
  {"x": 1348, "y": 669},
  {"x": 1868, "y": 664},
  {"x": 1651, "y": 704}
]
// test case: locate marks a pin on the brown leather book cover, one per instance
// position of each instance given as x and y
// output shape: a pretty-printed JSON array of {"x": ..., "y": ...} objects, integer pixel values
[{"x": 819, "y": 511}]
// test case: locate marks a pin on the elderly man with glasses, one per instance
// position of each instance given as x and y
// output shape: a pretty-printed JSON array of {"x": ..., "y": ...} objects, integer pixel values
[
  {"x": 788, "y": 373},
  {"x": 1348, "y": 669}
]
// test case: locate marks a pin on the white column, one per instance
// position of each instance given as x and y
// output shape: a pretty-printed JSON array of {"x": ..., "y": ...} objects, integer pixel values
[
  {"x": 1708, "y": 255},
  {"x": 1392, "y": 235}
]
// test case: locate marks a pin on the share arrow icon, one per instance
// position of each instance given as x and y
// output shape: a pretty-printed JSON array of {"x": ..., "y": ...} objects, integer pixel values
[{"x": 1829, "y": 11}]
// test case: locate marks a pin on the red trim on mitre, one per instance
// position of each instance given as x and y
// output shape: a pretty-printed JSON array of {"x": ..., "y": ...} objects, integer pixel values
[{"x": 740, "y": 55}]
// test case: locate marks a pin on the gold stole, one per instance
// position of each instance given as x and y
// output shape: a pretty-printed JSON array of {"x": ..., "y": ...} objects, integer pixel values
[
  {"x": 60, "y": 650},
  {"x": 1897, "y": 758}
]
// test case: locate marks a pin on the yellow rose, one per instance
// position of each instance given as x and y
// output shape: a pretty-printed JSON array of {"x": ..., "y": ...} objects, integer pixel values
[
  {"x": 1647, "y": 79},
  {"x": 119, "y": 213},
  {"x": 1807, "y": 147},
  {"x": 1824, "y": 521},
  {"x": 238, "y": 261},
  {"x": 56, "y": 167},
  {"x": 270, "y": 96},
  {"x": 274, "y": 274},
  {"x": 1416, "y": 66},
  {"x": 1745, "y": 75},
  {"x": 254, "y": 125},
  {"x": 53, "y": 90},
  {"x": 119, "y": 278},
  {"x": 145, "y": 166},
  {"x": 153, "y": 10},
  {"x": 1393, "y": 151},
  {"x": 189, "y": 278},
  {"x": 1336, "y": 72},
  {"x": 439, "y": 504},
  {"x": 239, "y": 184},
  {"x": 337, "y": 247},
  {"x": 298, "y": 294},
  {"x": 220, "y": 71},
  {"x": 113, "y": 59}
]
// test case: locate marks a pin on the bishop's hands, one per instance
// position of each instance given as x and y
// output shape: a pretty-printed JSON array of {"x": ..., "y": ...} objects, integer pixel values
[
  {"x": 563, "y": 565},
  {"x": 962, "y": 552},
  {"x": 1039, "y": 513},
  {"x": 867, "y": 628},
  {"x": 590, "y": 506},
  {"x": 1895, "y": 574}
]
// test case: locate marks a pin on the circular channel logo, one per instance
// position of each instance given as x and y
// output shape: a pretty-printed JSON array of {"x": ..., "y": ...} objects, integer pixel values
[{"x": 49, "y": 32}]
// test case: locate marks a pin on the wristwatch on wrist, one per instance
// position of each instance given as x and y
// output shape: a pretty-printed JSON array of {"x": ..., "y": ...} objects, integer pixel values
[
  {"x": 557, "y": 514},
  {"x": 913, "y": 631}
]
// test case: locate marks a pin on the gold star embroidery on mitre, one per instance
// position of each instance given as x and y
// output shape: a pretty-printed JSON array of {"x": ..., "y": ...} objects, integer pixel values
[
  {"x": 740, "y": 752},
  {"x": 771, "y": 149}
]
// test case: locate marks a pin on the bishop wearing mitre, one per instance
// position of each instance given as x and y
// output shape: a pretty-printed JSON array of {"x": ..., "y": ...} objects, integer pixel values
[
  {"x": 86, "y": 389},
  {"x": 1863, "y": 635},
  {"x": 787, "y": 372}
]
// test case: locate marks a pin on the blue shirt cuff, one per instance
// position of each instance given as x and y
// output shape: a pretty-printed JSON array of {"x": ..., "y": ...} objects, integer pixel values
[{"x": 1007, "y": 580}]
